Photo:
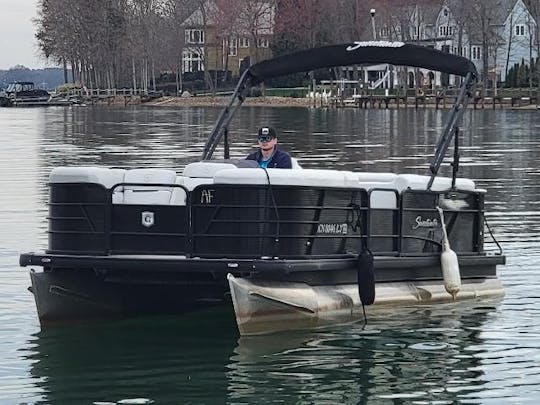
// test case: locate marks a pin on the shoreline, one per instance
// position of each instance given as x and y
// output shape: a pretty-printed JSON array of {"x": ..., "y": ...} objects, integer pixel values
[
  {"x": 222, "y": 101},
  {"x": 275, "y": 101}
]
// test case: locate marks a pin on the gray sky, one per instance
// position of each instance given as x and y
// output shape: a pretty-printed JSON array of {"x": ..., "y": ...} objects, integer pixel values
[{"x": 18, "y": 45}]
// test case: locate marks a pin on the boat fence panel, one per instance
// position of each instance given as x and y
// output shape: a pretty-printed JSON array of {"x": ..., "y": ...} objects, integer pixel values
[
  {"x": 78, "y": 217},
  {"x": 421, "y": 231},
  {"x": 278, "y": 221},
  {"x": 150, "y": 222},
  {"x": 384, "y": 221},
  {"x": 262, "y": 221}
]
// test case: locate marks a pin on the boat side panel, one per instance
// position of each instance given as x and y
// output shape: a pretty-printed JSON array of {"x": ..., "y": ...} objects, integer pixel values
[
  {"x": 149, "y": 229},
  {"x": 262, "y": 221},
  {"x": 78, "y": 218}
]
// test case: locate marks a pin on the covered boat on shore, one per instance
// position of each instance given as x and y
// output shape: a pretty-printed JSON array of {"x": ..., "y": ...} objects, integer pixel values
[
  {"x": 306, "y": 245},
  {"x": 23, "y": 93}
]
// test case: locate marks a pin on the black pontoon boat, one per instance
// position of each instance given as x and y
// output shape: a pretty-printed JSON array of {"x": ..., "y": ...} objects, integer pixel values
[
  {"x": 297, "y": 243},
  {"x": 23, "y": 93}
]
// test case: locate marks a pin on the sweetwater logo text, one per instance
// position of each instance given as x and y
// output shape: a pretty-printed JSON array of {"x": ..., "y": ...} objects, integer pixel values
[
  {"x": 425, "y": 222},
  {"x": 332, "y": 229}
]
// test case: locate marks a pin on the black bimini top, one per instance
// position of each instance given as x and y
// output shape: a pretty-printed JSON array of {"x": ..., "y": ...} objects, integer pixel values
[
  {"x": 358, "y": 53},
  {"x": 354, "y": 53}
]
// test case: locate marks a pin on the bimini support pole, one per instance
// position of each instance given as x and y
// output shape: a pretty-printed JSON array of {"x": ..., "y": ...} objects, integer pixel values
[
  {"x": 238, "y": 97},
  {"x": 455, "y": 163},
  {"x": 451, "y": 128}
]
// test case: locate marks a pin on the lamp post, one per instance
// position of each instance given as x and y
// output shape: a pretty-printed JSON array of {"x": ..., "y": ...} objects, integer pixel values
[{"x": 372, "y": 13}]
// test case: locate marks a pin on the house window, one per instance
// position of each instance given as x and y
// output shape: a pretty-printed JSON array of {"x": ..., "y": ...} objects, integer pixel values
[
  {"x": 192, "y": 61},
  {"x": 475, "y": 52},
  {"x": 384, "y": 32},
  {"x": 520, "y": 30},
  {"x": 243, "y": 42},
  {"x": 262, "y": 42},
  {"x": 446, "y": 30},
  {"x": 464, "y": 51},
  {"x": 194, "y": 36},
  {"x": 233, "y": 46}
]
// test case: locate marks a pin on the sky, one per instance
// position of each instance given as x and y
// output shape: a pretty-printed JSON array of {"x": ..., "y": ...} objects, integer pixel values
[{"x": 18, "y": 45}]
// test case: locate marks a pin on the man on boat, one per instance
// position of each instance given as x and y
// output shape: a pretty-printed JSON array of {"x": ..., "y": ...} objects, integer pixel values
[{"x": 269, "y": 155}]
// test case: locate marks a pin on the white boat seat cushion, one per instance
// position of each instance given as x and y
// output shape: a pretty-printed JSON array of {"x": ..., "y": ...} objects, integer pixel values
[
  {"x": 282, "y": 177},
  {"x": 418, "y": 182},
  {"x": 383, "y": 199},
  {"x": 146, "y": 193},
  {"x": 205, "y": 169},
  {"x": 295, "y": 164},
  {"x": 87, "y": 174}
]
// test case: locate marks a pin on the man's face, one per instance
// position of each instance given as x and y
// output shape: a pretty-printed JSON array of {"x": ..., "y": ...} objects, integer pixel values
[{"x": 267, "y": 143}]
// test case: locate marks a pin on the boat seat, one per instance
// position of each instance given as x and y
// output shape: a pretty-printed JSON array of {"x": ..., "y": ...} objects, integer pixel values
[
  {"x": 419, "y": 182},
  {"x": 369, "y": 181},
  {"x": 87, "y": 174},
  {"x": 383, "y": 199},
  {"x": 207, "y": 168},
  {"x": 146, "y": 193},
  {"x": 91, "y": 174},
  {"x": 178, "y": 196},
  {"x": 282, "y": 177},
  {"x": 295, "y": 164}
]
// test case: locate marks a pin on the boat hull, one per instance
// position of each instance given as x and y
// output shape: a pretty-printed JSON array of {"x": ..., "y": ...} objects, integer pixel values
[
  {"x": 64, "y": 297},
  {"x": 86, "y": 287},
  {"x": 264, "y": 307}
]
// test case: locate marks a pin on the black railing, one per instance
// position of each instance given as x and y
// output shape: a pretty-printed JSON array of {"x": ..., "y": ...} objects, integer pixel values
[{"x": 255, "y": 221}]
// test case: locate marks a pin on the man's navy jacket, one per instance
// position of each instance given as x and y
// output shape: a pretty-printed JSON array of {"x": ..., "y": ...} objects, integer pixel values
[{"x": 279, "y": 160}]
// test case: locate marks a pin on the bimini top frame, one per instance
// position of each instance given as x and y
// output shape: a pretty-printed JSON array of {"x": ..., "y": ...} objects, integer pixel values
[{"x": 357, "y": 53}]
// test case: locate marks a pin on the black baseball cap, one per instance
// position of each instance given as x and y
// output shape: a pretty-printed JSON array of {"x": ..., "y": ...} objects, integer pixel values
[{"x": 266, "y": 133}]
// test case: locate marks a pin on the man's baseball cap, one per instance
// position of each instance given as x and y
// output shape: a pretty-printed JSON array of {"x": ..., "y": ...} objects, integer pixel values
[{"x": 266, "y": 133}]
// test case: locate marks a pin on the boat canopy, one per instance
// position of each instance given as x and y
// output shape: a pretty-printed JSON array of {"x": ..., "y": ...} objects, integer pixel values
[
  {"x": 358, "y": 53},
  {"x": 362, "y": 53}
]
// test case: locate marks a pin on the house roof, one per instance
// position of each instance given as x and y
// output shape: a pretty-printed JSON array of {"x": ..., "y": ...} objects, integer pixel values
[{"x": 430, "y": 13}]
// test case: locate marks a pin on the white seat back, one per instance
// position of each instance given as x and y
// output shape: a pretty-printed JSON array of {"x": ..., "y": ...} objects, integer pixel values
[
  {"x": 205, "y": 169},
  {"x": 284, "y": 177},
  {"x": 87, "y": 174},
  {"x": 418, "y": 182},
  {"x": 144, "y": 192}
]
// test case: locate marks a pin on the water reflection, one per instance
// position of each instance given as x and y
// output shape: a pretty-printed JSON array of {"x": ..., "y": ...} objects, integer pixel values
[
  {"x": 425, "y": 353},
  {"x": 474, "y": 354},
  {"x": 161, "y": 359},
  {"x": 421, "y": 353}
]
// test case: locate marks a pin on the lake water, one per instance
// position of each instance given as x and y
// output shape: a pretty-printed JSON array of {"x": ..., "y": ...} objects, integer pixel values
[{"x": 471, "y": 353}]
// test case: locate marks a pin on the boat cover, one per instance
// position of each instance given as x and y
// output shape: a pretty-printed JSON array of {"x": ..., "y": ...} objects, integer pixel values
[{"x": 358, "y": 53}]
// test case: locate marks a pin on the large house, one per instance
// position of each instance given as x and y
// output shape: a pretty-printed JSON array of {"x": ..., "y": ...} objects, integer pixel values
[
  {"x": 227, "y": 40},
  {"x": 494, "y": 34}
]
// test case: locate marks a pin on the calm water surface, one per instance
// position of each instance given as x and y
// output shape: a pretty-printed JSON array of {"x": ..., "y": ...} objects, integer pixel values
[{"x": 471, "y": 353}]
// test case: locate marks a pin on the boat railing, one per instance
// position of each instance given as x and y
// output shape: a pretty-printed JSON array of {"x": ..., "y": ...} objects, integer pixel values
[{"x": 257, "y": 221}]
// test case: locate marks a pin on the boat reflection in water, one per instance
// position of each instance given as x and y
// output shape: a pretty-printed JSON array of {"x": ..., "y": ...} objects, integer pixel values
[
  {"x": 160, "y": 360},
  {"x": 421, "y": 352}
]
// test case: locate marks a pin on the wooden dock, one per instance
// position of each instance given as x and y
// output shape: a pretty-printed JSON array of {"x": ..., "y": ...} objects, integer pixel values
[{"x": 425, "y": 101}]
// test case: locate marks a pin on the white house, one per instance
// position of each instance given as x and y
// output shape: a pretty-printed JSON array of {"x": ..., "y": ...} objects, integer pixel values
[
  {"x": 454, "y": 26},
  {"x": 518, "y": 32}
]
